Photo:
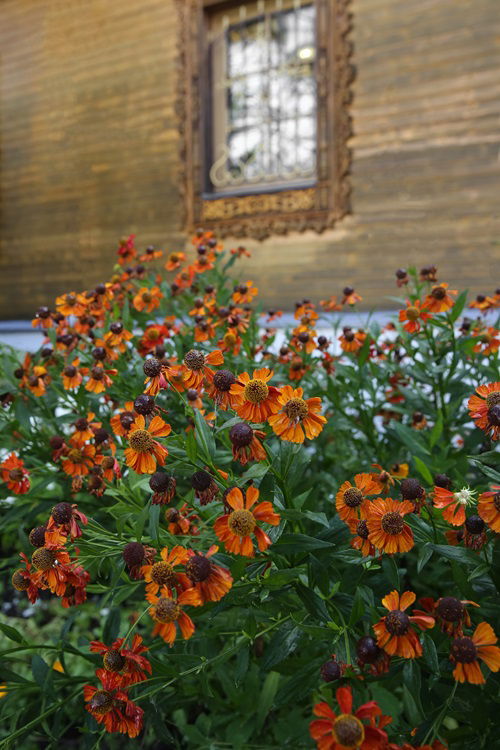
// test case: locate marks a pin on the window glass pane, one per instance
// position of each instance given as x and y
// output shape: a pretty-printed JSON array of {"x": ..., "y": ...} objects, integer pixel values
[{"x": 268, "y": 133}]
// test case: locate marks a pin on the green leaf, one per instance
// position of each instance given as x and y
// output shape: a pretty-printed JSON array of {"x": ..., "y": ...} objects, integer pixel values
[
  {"x": 204, "y": 436},
  {"x": 424, "y": 555},
  {"x": 40, "y": 669},
  {"x": 255, "y": 472},
  {"x": 241, "y": 668},
  {"x": 411, "y": 707},
  {"x": 436, "y": 431},
  {"x": 391, "y": 571},
  {"x": 111, "y": 626},
  {"x": 430, "y": 653},
  {"x": 302, "y": 542},
  {"x": 283, "y": 643},
  {"x": 423, "y": 470},
  {"x": 154, "y": 523},
  {"x": 13, "y": 634},
  {"x": 458, "y": 307},
  {"x": 358, "y": 608},
  {"x": 312, "y": 602},
  {"x": 410, "y": 439},
  {"x": 266, "y": 698}
]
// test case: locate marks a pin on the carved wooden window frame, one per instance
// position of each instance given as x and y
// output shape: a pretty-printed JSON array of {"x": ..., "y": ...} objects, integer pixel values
[{"x": 270, "y": 212}]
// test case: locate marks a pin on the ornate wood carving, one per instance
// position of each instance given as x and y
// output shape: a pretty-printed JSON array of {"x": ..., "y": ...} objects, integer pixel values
[{"x": 264, "y": 214}]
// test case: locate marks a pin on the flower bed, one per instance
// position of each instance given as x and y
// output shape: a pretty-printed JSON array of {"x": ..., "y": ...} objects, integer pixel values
[{"x": 215, "y": 540}]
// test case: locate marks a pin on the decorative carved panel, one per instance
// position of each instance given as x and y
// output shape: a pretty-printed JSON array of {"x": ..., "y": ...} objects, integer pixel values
[{"x": 259, "y": 215}]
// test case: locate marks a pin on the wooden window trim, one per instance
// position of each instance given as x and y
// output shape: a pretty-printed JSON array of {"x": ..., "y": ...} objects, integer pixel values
[{"x": 269, "y": 212}]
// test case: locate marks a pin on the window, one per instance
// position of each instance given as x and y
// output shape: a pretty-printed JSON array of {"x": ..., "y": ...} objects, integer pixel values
[
  {"x": 263, "y": 99},
  {"x": 263, "y": 113}
]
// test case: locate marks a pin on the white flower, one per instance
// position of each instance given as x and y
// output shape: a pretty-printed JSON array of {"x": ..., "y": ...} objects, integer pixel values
[{"x": 465, "y": 496}]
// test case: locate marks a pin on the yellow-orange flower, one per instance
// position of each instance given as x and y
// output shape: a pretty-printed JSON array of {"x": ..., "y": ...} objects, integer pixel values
[
  {"x": 439, "y": 299},
  {"x": 484, "y": 409},
  {"x": 351, "y": 500},
  {"x": 466, "y": 652},
  {"x": 196, "y": 367},
  {"x": 488, "y": 508},
  {"x": 394, "y": 632},
  {"x": 168, "y": 612},
  {"x": 147, "y": 300},
  {"x": 298, "y": 418},
  {"x": 414, "y": 314},
  {"x": 388, "y": 530},
  {"x": 144, "y": 452},
  {"x": 235, "y": 529},
  {"x": 255, "y": 399}
]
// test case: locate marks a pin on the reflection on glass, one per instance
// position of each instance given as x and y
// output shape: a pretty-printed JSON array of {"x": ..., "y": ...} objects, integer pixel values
[{"x": 270, "y": 96}]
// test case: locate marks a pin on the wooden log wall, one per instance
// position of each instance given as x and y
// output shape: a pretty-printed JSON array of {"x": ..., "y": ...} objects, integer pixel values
[{"x": 89, "y": 150}]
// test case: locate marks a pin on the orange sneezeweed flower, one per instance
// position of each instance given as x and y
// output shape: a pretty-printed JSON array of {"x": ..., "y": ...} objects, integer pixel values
[
  {"x": 111, "y": 706},
  {"x": 488, "y": 508},
  {"x": 483, "y": 303},
  {"x": 219, "y": 389},
  {"x": 350, "y": 296},
  {"x": 352, "y": 341},
  {"x": 15, "y": 475},
  {"x": 144, "y": 452},
  {"x": 99, "y": 379},
  {"x": 439, "y": 300},
  {"x": 196, "y": 367},
  {"x": 255, "y": 400},
  {"x": 388, "y": 530},
  {"x": 346, "y": 730},
  {"x": 298, "y": 418},
  {"x": 162, "y": 574},
  {"x": 246, "y": 443},
  {"x": 466, "y": 651},
  {"x": 124, "y": 419},
  {"x": 244, "y": 293},
  {"x": 394, "y": 632},
  {"x": 71, "y": 377},
  {"x": 71, "y": 304},
  {"x": 147, "y": 300},
  {"x": 360, "y": 539},
  {"x": 488, "y": 341},
  {"x": 351, "y": 501},
  {"x": 414, "y": 314},
  {"x": 235, "y": 529},
  {"x": 210, "y": 580},
  {"x": 453, "y": 504},
  {"x": 330, "y": 304},
  {"x": 83, "y": 429},
  {"x": 168, "y": 612},
  {"x": 484, "y": 409},
  {"x": 79, "y": 460},
  {"x": 42, "y": 318},
  {"x": 174, "y": 261}
]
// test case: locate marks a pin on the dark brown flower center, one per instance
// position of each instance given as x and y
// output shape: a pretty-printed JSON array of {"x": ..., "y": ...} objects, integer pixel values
[
  {"x": 101, "y": 702},
  {"x": 348, "y": 730},
  {"x": 412, "y": 312},
  {"x": 16, "y": 475},
  {"x": 163, "y": 574},
  {"x": 223, "y": 380},
  {"x": 450, "y": 609},
  {"x": 146, "y": 297},
  {"x": 198, "y": 568},
  {"x": 241, "y": 522},
  {"x": 296, "y": 409},
  {"x": 353, "y": 497},
  {"x": 113, "y": 660},
  {"x": 75, "y": 456},
  {"x": 141, "y": 441},
  {"x": 439, "y": 292},
  {"x": 194, "y": 359},
  {"x": 362, "y": 530},
  {"x": 493, "y": 398},
  {"x": 70, "y": 371},
  {"x": 19, "y": 582},
  {"x": 392, "y": 523},
  {"x": 397, "y": 622},
  {"x": 152, "y": 367},
  {"x": 241, "y": 435},
  {"x": 167, "y": 610},
  {"x": 256, "y": 391},
  {"x": 108, "y": 462},
  {"x": 464, "y": 650},
  {"x": 43, "y": 558}
]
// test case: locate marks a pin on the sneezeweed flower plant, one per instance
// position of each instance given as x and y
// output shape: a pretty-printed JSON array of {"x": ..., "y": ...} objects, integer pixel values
[{"x": 220, "y": 533}]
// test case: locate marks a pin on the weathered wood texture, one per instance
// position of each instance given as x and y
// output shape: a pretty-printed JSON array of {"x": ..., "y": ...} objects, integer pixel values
[{"x": 89, "y": 149}]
